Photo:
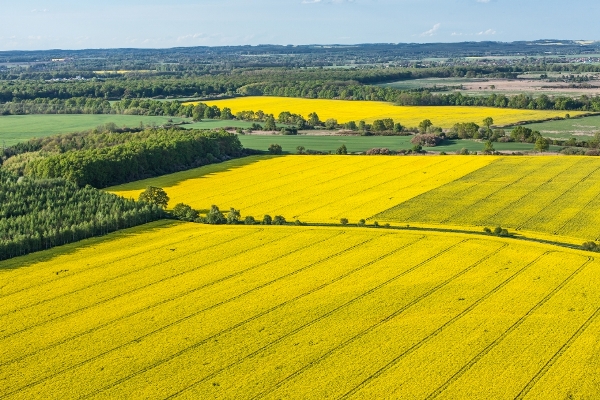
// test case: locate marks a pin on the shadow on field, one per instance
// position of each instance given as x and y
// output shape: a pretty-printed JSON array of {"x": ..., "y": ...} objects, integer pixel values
[
  {"x": 72, "y": 248},
  {"x": 178, "y": 177}
]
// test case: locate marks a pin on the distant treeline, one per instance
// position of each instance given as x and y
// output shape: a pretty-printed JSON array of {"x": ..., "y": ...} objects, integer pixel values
[
  {"x": 35, "y": 96},
  {"x": 223, "y": 82},
  {"x": 82, "y": 105},
  {"x": 105, "y": 159},
  {"x": 41, "y": 214}
]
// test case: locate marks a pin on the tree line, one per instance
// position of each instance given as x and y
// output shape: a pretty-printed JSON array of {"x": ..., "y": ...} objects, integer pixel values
[
  {"x": 22, "y": 97},
  {"x": 105, "y": 159}
]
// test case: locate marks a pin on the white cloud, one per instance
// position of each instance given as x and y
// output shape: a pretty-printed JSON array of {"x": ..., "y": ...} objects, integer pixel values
[
  {"x": 432, "y": 31},
  {"x": 488, "y": 32}
]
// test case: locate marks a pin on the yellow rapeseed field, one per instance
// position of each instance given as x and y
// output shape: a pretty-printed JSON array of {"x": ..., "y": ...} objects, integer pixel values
[
  {"x": 368, "y": 111},
  {"x": 555, "y": 196},
  {"x": 182, "y": 310},
  {"x": 552, "y": 195},
  {"x": 309, "y": 188}
]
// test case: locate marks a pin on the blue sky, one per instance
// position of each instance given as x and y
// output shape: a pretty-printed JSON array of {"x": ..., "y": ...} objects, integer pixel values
[{"x": 69, "y": 24}]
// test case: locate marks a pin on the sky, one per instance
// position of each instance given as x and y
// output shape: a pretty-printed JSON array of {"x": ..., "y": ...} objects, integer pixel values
[{"x": 81, "y": 24}]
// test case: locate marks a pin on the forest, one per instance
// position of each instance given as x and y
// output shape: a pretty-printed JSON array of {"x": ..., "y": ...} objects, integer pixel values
[
  {"x": 41, "y": 214},
  {"x": 105, "y": 159}
]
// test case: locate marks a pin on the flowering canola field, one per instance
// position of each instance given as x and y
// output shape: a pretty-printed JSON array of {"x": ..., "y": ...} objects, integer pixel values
[
  {"x": 548, "y": 195},
  {"x": 309, "y": 188},
  {"x": 181, "y": 310},
  {"x": 552, "y": 195},
  {"x": 368, "y": 111}
]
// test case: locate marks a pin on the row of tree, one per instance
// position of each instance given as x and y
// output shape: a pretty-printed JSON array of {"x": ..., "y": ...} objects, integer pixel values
[
  {"x": 134, "y": 156},
  {"x": 352, "y": 84}
]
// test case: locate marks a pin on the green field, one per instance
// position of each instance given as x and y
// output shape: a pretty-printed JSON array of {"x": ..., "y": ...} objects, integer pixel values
[
  {"x": 364, "y": 143},
  {"x": 18, "y": 128},
  {"x": 429, "y": 83},
  {"x": 575, "y": 127}
]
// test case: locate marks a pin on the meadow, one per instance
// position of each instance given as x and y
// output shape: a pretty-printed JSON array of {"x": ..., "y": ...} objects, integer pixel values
[
  {"x": 19, "y": 128},
  {"x": 180, "y": 310},
  {"x": 369, "y": 111},
  {"x": 567, "y": 128},
  {"x": 363, "y": 143}
]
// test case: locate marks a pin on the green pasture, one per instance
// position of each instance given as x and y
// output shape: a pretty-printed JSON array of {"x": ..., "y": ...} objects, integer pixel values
[
  {"x": 574, "y": 127},
  {"x": 429, "y": 83},
  {"x": 18, "y": 128},
  {"x": 364, "y": 143}
]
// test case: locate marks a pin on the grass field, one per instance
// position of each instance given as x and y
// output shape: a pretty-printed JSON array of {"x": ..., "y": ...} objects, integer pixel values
[
  {"x": 368, "y": 111},
  {"x": 364, "y": 143},
  {"x": 18, "y": 128},
  {"x": 174, "y": 310},
  {"x": 578, "y": 127}
]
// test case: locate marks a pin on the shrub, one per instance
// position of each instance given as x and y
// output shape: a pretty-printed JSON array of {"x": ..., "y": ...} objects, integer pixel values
[
  {"x": 215, "y": 216},
  {"x": 488, "y": 148},
  {"x": 427, "y": 140},
  {"x": 275, "y": 149},
  {"x": 233, "y": 217},
  {"x": 331, "y": 124},
  {"x": 378, "y": 151},
  {"x": 487, "y": 230},
  {"x": 344, "y": 221},
  {"x": 249, "y": 220},
  {"x": 279, "y": 220},
  {"x": 591, "y": 246},
  {"x": 573, "y": 151},
  {"x": 342, "y": 150},
  {"x": 184, "y": 212},
  {"x": 362, "y": 222},
  {"x": 267, "y": 220},
  {"x": 376, "y": 224},
  {"x": 156, "y": 196}
]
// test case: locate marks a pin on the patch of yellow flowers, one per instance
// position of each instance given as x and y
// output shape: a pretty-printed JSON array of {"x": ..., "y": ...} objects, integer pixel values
[
  {"x": 195, "y": 311},
  {"x": 368, "y": 111}
]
